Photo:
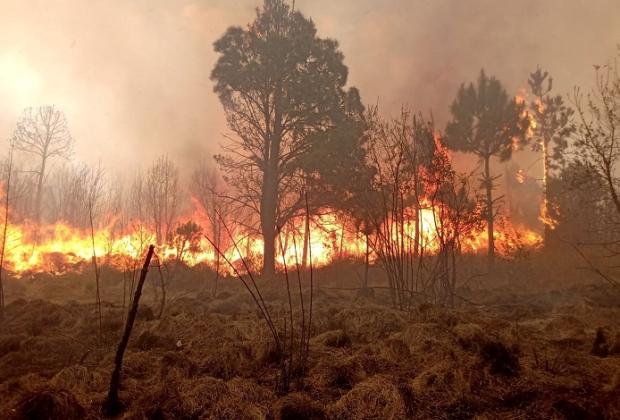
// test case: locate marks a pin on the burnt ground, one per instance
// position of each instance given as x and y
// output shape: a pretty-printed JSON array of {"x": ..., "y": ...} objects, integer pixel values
[{"x": 508, "y": 350}]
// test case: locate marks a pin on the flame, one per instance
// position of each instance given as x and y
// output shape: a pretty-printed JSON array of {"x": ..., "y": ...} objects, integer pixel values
[
  {"x": 545, "y": 213},
  {"x": 521, "y": 98},
  {"x": 59, "y": 248},
  {"x": 545, "y": 217}
]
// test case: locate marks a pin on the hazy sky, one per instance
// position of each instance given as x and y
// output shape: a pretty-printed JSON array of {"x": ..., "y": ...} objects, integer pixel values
[{"x": 133, "y": 75}]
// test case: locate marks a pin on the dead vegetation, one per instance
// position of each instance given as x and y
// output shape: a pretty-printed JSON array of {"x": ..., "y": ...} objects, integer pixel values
[{"x": 549, "y": 355}]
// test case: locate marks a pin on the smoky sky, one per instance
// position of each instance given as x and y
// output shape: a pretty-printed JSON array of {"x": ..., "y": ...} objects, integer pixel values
[{"x": 133, "y": 77}]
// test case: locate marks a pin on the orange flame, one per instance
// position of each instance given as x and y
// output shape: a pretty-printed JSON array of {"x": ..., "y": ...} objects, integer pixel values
[{"x": 59, "y": 247}]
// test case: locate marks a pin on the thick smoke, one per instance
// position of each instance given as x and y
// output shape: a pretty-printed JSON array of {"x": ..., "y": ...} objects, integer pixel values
[{"x": 133, "y": 77}]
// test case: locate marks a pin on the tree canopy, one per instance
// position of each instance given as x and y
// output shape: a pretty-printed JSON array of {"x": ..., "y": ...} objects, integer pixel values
[
  {"x": 487, "y": 122},
  {"x": 283, "y": 90}
]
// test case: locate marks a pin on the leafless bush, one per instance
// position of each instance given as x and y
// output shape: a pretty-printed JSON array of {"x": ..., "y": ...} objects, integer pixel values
[
  {"x": 75, "y": 193},
  {"x": 209, "y": 192},
  {"x": 597, "y": 154},
  {"x": 154, "y": 198},
  {"x": 419, "y": 209}
]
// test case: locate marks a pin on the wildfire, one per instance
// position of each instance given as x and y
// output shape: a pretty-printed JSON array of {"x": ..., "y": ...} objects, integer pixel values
[
  {"x": 60, "y": 248},
  {"x": 546, "y": 206}
]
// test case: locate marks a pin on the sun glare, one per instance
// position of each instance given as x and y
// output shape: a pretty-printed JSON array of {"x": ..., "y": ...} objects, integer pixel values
[{"x": 18, "y": 80}]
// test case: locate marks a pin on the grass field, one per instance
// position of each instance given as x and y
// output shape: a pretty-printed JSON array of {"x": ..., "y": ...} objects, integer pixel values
[{"x": 510, "y": 350}]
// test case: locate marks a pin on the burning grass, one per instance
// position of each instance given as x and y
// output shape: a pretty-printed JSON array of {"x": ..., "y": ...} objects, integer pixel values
[{"x": 61, "y": 248}]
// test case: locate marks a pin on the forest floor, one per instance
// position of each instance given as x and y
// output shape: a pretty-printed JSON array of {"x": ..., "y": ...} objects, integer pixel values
[{"x": 504, "y": 352}]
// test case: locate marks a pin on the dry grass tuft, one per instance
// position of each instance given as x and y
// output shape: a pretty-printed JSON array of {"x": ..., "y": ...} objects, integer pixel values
[
  {"x": 469, "y": 336},
  {"x": 149, "y": 341},
  {"x": 10, "y": 343},
  {"x": 178, "y": 365},
  {"x": 395, "y": 350},
  {"x": 227, "y": 361},
  {"x": 337, "y": 373},
  {"x": 334, "y": 338},
  {"x": 205, "y": 397},
  {"x": 600, "y": 347},
  {"x": 368, "y": 323},
  {"x": 145, "y": 313},
  {"x": 49, "y": 404},
  {"x": 297, "y": 406},
  {"x": 79, "y": 379},
  {"x": 378, "y": 397},
  {"x": 501, "y": 359}
]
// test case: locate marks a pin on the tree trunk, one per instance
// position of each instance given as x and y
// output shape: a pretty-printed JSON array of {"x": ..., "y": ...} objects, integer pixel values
[
  {"x": 341, "y": 246},
  {"x": 416, "y": 234},
  {"x": 217, "y": 259},
  {"x": 366, "y": 262},
  {"x": 269, "y": 255},
  {"x": 112, "y": 405},
  {"x": 39, "y": 191},
  {"x": 304, "y": 258},
  {"x": 269, "y": 203},
  {"x": 453, "y": 274},
  {"x": 488, "y": 182},
  {"x": 546, "y": 207},
  {"x": 4, "y": 230}
]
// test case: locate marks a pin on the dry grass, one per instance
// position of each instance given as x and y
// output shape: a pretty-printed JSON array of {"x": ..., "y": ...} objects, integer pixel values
[
  {"x": 551, "y": 355},
  {"x": 377, "y": 397},
  {"x": 49, "y": 404}
]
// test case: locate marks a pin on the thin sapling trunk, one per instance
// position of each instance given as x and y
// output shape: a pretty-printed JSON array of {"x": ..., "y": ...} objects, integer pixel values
[{"x": 112, "y": 405}]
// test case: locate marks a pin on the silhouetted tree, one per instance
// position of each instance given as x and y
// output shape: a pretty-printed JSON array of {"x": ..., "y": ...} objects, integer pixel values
[
  {"x": 586, "y": 214},
  {"x": 162, "y": 197},
  {"x": 280, "y": 86},
  {"x": 597, "y": 141},
  {"x": 8, "y": 167},
  {"x": 486, "y": 121},
  {"x": 135, "y": 205},
  {"x": 597, "y": 154},
  {"x": 208, "y": 190},
  {"x": 336, "y": 171},
  {"x": 187, "y": 240},
  {"x": 42, "y": 132},
  {"x": 552, "y": 127},
  {"x": 75, "y": 192}
]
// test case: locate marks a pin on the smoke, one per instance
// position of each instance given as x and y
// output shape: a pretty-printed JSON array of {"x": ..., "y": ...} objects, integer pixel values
[
  {"x": 133, "y": 77},
  {"x": 419, "y": 52}
]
